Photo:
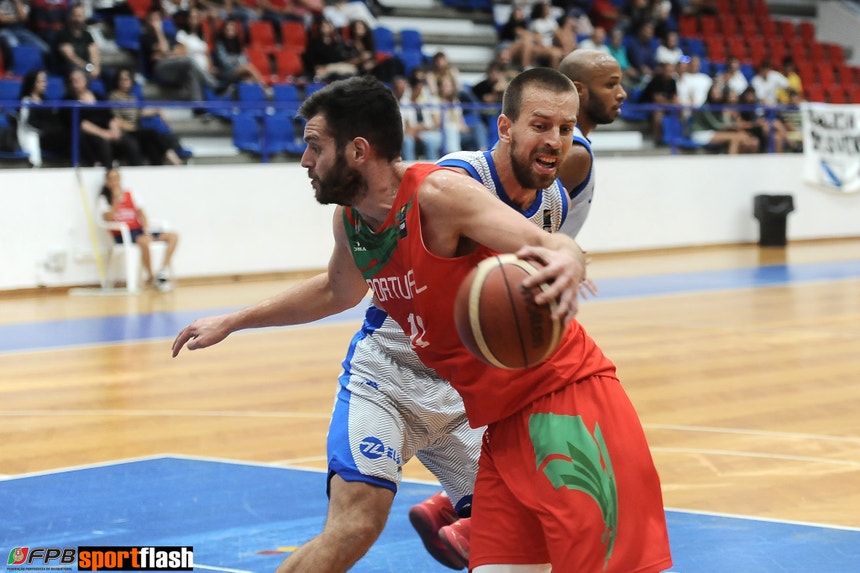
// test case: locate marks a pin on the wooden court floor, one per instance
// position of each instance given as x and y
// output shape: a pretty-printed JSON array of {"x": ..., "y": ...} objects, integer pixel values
[{"x": 750, "y": 397}]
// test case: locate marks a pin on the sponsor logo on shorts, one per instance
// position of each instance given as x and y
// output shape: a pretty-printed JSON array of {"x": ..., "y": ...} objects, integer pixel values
[{"x": 372, "y": 447}]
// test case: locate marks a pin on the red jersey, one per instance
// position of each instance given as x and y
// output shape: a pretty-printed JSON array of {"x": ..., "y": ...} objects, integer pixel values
[
  {"x": 418, "y": 289},
  {"x": 126, "y": 212}
]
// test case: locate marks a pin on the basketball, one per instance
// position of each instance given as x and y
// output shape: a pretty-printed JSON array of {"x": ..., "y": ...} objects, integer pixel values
[{"x": 498, "y": 320}]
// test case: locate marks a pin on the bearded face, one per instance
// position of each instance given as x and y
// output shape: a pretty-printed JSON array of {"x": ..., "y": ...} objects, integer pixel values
[
  {"x": 341, "y": 185},
  {"x": 536, "y": 169}
]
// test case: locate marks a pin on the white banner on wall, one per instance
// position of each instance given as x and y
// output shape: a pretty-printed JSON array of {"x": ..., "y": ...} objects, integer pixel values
[{"x": 831, "y": 146}]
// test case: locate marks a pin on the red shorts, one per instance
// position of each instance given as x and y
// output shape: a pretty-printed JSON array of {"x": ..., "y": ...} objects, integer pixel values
[{"x": 569, "y": 480}]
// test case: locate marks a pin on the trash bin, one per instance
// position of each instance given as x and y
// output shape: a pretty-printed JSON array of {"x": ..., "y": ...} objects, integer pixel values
[{"x": 772, "y": 212}]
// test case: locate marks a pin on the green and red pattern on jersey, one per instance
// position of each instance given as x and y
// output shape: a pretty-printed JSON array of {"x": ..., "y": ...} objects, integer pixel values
[{"x": 418, "y": 289}]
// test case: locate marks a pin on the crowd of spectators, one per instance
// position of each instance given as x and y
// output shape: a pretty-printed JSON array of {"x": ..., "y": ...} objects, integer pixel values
[{"x": 205, "y": 48}]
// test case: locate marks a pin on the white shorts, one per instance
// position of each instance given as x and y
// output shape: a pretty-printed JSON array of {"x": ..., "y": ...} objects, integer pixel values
[{"x": 391, "y": 407}]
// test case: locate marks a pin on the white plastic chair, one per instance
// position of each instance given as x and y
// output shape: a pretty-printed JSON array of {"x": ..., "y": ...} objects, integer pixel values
[{"x": 126, "y": 250}]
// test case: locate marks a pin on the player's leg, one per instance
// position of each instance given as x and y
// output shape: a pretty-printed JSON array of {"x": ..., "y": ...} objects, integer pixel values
[
  {"x": 442, "y": 521},
  {"x": 357, "y": 514}
]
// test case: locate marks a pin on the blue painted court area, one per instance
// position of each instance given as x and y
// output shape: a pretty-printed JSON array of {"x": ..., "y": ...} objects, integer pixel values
[
  {"x": 109, "y": 329},
  {"x": 235, "y": 515}
]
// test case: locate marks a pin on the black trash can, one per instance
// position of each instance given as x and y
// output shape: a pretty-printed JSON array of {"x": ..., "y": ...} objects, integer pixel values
[{"x": 772, "y": 212}]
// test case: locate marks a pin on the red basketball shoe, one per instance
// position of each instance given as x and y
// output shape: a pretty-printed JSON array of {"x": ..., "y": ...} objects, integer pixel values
[
  {"x": 456, "y": 538},
  {"x": 428, "y": 518}
]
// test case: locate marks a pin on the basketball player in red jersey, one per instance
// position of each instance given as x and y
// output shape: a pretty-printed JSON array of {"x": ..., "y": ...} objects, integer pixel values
[{"x": 565, "y": 476}]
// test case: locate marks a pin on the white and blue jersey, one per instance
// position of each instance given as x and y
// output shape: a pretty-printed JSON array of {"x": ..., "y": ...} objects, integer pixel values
[
  {"x": 580, "y": 197},
  {"x": 391, "y": 407}
]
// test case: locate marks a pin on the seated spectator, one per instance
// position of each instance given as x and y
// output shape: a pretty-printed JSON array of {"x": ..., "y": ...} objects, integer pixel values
[
  {"x": 516, "y": 39},
  {"x": 230, "y": 60},
  {"x": 693, "y": 85},
  {"x": 244, "y": 11},
  {"x": 76, "y": 46},
  {"x": 642, "y": 53},
  {"x": 597, "y": 41},
  {"x": 327, "y": 57},
  {"x": 453, "y": 124},
  {"x": 39, "y": 127},
  {"x": 752, "y": 118},
  {"x": 47, "y": 18},
  {"x": 341, "y": 13},
  {"x": 661, "y": 90},
  {"x": 168, "y": 62},
  {"x": 767, "y": 82},
  {"x": 158, "y": 147},
  {"x": 441, "y": 67},
  {"x": 795, "y": 84},
  {"x": 101, "y": 139},
  {"x": 14, "y": 32},
  {"x": 279, "y": 11},
  {"x": 489, "y": 91},
  {"x": 634, "y": 15},
  {"x": 712, "y": 127},
  {"x": 565, "y": 34},
  {"x": 421, "y": 121},
  {"x": 603, "y": 13},
  {"x": 669, "y": 52},
  {"x": 544, "y": 26},
  {"x": 733, "y": 78},
  {"x": 363, "y": 44},
  {"x": 117, "y": 204},
  {"x": 629, "y": 75}
]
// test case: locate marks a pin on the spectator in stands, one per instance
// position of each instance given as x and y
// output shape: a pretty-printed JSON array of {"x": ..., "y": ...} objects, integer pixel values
[
  {"x": 597, "y": 41},
  {"x": 342, "y": 13},
  {"x": 516, "y": 39},
  {"x": 157, "y": 146},
  {"x": 101, "y": 139},
  {"x": 76, "y": 46},
  {"x": 732, "y": 77},
  {"x": 47, "y": 18},
  {"x": 603, "y": 13},
  {"x": 565, "y": 34},
  {"x": 767, "y": 82},
  {"x": 669, "y": 52},
  {"x": 617, "y": 49},
  {"x": 327, "y": 57},
  {"x": 634, "y": 15},
  {"x": 693, "y": 85},
  {"x": 441, "y": 67},
  {"x": 39, "y": 127},
  {"x": 453, "y": 122},
  {"x": 14, "y": 32},
  {"x": 117, "y": 204},
  {"x": 752, "y": 118},
  {"x": 192, "y": 39},
  {"x": 660, "y": 90},
  {"x": 230, "y": 60},
  {"x": 368, "y": 62},
  {"x": 543, "y": 27},
  {"x": 245, "y": 11},
  {"x": 421, "y": 121},
  {"x": 641, "y": 52},
  {"x": 700, "y": 8},
  {"x": 168, "y": 62},
  {"x": 711, "y": 126},
  {"x": 278, "y": 11},
  {"x": 795, "y": 84}
]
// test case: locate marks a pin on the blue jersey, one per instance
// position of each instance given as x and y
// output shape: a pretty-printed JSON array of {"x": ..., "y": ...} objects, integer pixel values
[{"x": 581, "y": 195}]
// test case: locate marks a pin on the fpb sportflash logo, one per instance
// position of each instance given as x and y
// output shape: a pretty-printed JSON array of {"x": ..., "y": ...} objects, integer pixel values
[{"x": 132, "y": 558}]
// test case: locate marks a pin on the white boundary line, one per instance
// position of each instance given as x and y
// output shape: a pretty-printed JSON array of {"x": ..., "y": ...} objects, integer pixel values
[
  {"x": 765, "y": 433},
  {"x": 188, "y": 413},
  {"x": 215, "y": 568}
]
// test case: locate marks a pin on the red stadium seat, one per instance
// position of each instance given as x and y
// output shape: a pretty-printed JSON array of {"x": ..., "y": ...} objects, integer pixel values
[
  {"x": 289, "y": 65},
  {"x": 737, "y": 47},
  {"x": 749, "y": 27},
  {"x": 818, "y": 53},
  {"x": 260, "y": 59},
  {"x": 854, "y": 94},
  {"x": 787, "y": 31},
  {"x": 814, "y": 92},
  {"x": 716, "y": 49},
  {"x": 837, "y": 54},
  {"x": 826, "y": 76},
  {"x": 762, "y": 12},
  {"x": 293, "y": 36},
  {"x": 807, "y": 31},
  {"x": 770, "y": 30},
  {"x": 688, "y": 27},
  {"x": 835, "y": 94},
  {"x": 729, "y": 25},
  {"x": 262, "y": 36},
  {"x": 708, "y": 25}
]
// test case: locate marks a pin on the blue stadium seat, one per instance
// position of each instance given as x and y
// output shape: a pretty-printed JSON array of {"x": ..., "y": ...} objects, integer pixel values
[
  {"x": 56, "y": 88},
  {"x": 411, "y": 39},
  {"x": 127, "y": 30},
  {"x": 26, "y": 59},
  {"x": 280, "y": 135},
  {"x": 384, "y": 39},
  {"x": 246, "y": 132},
  {"x": 674, "y": 136}
]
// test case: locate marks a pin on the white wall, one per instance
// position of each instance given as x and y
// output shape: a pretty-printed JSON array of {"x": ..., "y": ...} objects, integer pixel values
[
  {"x": 245, "y": 219},
  {"x": 838, "y": 22}
]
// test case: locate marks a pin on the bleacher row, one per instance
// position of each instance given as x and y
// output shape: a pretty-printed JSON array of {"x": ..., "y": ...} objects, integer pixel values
[{"x": 744, "y": 29}]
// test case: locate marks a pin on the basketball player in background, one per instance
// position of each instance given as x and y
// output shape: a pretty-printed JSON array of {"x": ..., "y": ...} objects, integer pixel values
[{"x": 597, "y": 77}]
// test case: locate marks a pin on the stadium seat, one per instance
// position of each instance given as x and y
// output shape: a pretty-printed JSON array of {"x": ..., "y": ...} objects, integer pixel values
[
  {"x": 411, "y": 59},
  {"x": 813, "y": 92},
  {"x": 688, "y": 27},
  {"x": 729, "y": 25},
  {"x": 262, "y": 37},
  {"x": 807, "y": 32},
  {"x": 708, "y": 26},
  {"x": 854, "y": 94},
  {"x": 26, "y": 59},
  {"x": 56, "y": 88},
  {"x": 384, "y": 39},
  {"x": 837, "y": 53},
  {"x": 673, "y": 134},
  {"x": 127, "y": 30},
  {"x": 246, "y": 132},
  {"x": 835, "y": 93},
  {"x": 260, "y": 59},
  {"x": 10, "y": 89},
  {"x": 139, "y": 7},
  {"x": 294, "y": 36},
  {"x": 286, "y": 93},
  {"x": 411, "y": 39},
  {"x": 289, "y": 65},
  {"x": 313, "y": 87},
  {"x": 280, "y": 135}
]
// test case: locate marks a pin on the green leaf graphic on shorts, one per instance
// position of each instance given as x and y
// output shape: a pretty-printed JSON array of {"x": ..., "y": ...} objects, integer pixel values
[{"x": 572, "y": 457}]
